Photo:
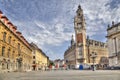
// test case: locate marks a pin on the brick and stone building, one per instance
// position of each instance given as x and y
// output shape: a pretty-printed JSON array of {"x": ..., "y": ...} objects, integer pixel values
[
  {"x": 40, "y": 59},
  {"x": 80, "y": 50},
  {"x": 59, "y": 64}
]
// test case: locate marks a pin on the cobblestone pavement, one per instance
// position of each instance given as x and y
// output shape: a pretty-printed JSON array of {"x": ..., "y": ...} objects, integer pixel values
[{"x": 62, "y": 75}]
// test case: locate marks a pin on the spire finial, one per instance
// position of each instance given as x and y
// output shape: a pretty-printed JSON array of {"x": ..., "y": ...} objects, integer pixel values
[
  {"x": 87, "y": 36},
  {"x": 112, "y": 22},
  {"x": 108, "y": 25},
  {"x": 72, "y": 36},
  {"x": 79, "y": 7},
  {"x": 72, "y": 40}
]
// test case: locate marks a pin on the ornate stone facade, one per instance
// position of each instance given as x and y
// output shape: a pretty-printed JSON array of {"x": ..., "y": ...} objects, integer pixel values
[
  {"x": 15, "y": 52},
  {"x": 70, "y": 57},
  {"x": 80, "y": 52},
  {"x": 113, "y": 36}
]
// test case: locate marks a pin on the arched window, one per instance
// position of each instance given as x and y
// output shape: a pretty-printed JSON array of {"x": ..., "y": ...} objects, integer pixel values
[{"x": 3, "y": 51}]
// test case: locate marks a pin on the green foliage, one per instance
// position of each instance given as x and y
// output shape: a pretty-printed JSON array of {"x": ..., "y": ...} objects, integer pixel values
[{"x": 51, "y": 63}]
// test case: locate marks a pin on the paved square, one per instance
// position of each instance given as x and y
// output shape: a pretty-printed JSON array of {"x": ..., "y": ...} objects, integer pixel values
[{"x": 62, "y": 75}]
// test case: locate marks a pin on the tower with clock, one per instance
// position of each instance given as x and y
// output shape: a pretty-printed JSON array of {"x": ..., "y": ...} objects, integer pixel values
[
  {"x": 78, "y": 55},
  {"x": 80, "y": 36}
]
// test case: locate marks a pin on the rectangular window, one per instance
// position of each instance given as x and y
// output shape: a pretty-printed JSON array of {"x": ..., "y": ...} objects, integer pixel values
[
  {"x": 3, "y": 51},
  {"x": 33, "y": 57},
  {"x": 18, "y": 46},
  {"x": 33, "y": 62},
  {"x": 8, "y": 55},
  {"x": 96, "y": 43},
  {"x": 19, "y": 51},
  {"x": 9, "y": 39},
  {"x": 118, "y": 44},
  {"x": 13, "y": 56},
  {"x": 80, "y": 51},
  {"x": 4, "y": 36},
  {"x": 13, "y": 43}
]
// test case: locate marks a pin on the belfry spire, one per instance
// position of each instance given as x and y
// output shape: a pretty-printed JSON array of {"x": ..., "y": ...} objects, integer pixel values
[
  {"x": 79, "y": 6},
  {"x": 72, "y": 40}
]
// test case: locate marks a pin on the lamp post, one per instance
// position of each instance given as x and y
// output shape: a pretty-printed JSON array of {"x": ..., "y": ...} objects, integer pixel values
[{"x": 93, "y": 56}]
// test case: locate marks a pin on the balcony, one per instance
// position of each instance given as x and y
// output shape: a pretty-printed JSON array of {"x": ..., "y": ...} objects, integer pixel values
[
  {"x": 113, "y": 55},
  {"x": 80, "y": 59}
]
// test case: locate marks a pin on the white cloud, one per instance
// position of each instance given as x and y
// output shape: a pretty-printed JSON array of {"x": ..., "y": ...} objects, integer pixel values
[{"x": 59, "y": 29}]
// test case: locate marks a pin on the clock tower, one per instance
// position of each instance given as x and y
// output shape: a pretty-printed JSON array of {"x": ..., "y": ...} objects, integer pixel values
[{"x": 80, "y": 36}]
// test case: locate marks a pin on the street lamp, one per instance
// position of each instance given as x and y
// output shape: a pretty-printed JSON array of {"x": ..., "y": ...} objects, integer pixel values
[{"x": 93, "y": 56}]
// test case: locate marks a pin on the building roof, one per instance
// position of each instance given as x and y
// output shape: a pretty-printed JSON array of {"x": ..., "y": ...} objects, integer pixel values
[
  {"x": 34, "y": 46},
  {"x": 72, "y": 47},
  {"x": 115, "y": 25},
  {"x": 23, "y": 40}
]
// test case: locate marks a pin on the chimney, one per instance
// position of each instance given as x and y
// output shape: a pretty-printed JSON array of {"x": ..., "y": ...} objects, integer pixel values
[{"x": 108, "y": 26}]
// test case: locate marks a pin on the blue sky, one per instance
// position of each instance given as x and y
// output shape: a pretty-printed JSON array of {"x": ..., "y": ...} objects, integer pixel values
[{"x": 49, "y": 23}]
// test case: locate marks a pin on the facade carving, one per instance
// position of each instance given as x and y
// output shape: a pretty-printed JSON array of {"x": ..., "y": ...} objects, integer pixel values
[
  {"x": 113, "y": 36},
  {"x": 15, "y": 52},
  {"x": 70, "y": 57}
]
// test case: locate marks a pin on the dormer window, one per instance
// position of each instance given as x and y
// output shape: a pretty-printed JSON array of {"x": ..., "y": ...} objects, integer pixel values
[
  {"x": 3, "y": 20},
  {"x": 3, "y": 51},
  {"x": 8, "y": 54}
]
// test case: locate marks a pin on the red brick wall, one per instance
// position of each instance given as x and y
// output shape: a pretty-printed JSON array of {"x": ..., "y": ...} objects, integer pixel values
[{"x": 79, "y": 38}]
